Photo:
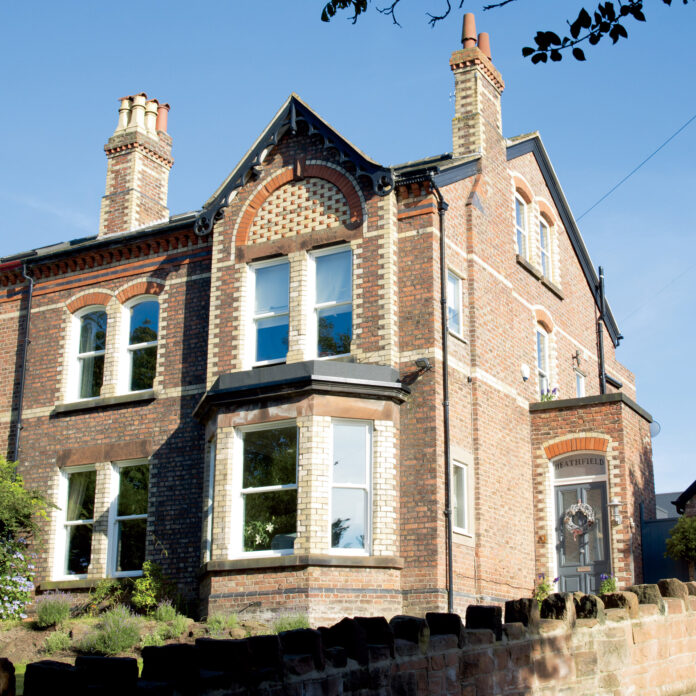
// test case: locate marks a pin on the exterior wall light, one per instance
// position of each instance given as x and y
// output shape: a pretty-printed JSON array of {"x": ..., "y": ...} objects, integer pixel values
[
  {"x": 614, "y": 513},
  {"x": 525, "y": 372},
  {"x": 423, "y": 364}
]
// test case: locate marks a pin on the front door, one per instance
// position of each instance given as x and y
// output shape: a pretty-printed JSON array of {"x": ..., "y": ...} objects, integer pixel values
[{"x": 582, "y": 549}]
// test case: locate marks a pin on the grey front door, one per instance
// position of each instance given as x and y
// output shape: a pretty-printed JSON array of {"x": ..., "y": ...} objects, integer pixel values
[{"x": 582, "y": 557}]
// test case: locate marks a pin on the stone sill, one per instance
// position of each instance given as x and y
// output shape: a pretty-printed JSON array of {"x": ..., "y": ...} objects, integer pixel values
[
  {"x": 532, "y": 270},
  {"x": 302, "y": 561},
  {"x": 105, "y": 401},
  {"x": 67, "y": 585},
  {"x": 550, "y": 285}
]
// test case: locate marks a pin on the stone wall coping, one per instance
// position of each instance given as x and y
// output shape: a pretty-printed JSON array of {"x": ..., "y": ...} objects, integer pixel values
[
  {"x": 105, "y": 401},
  {"x": 588, "y": 401},
  {"x": 303, "y": 561}
]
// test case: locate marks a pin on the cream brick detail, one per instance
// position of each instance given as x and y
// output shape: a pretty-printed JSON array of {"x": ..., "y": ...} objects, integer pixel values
[
  {"x": 313, "y": 484},
  {"x": 100, "y": 530},
  {"x": 297, "y": 207},
  {"x": 223, "y": 495},
  {"x": 300, "y": 309},
  {"x": 163, "y": 299},
  {"x": 384, "y": 502},
  {"x": 114, "y": 340},
  {"x": 55, "y": 517}
]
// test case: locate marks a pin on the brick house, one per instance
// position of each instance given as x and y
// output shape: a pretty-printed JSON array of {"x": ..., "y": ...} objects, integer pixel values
[{"x": 328, "y": 390}]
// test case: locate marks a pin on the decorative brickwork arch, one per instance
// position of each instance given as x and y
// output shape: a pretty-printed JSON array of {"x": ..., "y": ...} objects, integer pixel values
[
  {"x": 576, "y": 444},
  {"x": 92, "y": 297},
  {"x": 522, "y": 188},
  {"x": 289, "y": 174},
  {"x": 546, "y": 211},
  {"x": 146, "y": 286},
  {"x": 544, "y": 318}
]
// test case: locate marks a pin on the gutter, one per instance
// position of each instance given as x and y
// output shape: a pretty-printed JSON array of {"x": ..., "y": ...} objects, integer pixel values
[{"x": 27, "y": 341}]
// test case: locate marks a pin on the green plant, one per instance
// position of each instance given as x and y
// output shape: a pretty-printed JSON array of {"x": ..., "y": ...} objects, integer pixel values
[
  {"x": 118, "y": 631},
  {"x": 608, "y": 584},
  {"x": 151, "y": 589},
  {"x": 56, "y": 642},
  {"x": 290, "y": 622},
  {"x": 177, "y": 626},
  {"x": 16, "y": 579},
  {"x": 219, "y": 623},
  {"x": 165, "y": 612},
  {"x": 543, "y": 588},
  {"x": 550, "y": 395},
  {"x": 106, "y": 595},
  {"x": 52, "y": 609},
  {"x": 152, "y": 639},
  {"x": 681, "y": 543}
]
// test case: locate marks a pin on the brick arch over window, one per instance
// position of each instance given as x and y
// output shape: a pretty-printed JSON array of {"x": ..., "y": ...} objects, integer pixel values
[
  {"x": 544, "y": 318},
  {"x": 309, "y": 171},
  {"x": 95, "y": 297},
  {"x": 546, "y": 211},
  {"x": 576, "y": 444},
  {"x": 522, "y": 187},
  {"x": 149, "y": 286}
]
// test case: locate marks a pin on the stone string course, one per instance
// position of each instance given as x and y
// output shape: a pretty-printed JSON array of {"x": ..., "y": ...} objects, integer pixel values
[{"x": 574, "y": 645}]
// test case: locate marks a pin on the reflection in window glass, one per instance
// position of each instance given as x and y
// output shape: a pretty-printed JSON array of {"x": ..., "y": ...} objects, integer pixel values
[
  {"x": 543, "y": 361},
  {"x": 521, "y": 226},
  {"x": 334, "y": 307},
  {"x": 79, "y": 518},
  {"x": 90, "y": 353},
  {"x": 142, "y": 344},
  {"x": 269, "y": 489},
  {"x": 454, "y": 303},
  {"x": 131, "y": 517},
  {"x": 545, "y": 249},
  {"x": 459, "y": 494},
  {"x": 350, "y": 485},
  {"x": 271, "y": 306}
]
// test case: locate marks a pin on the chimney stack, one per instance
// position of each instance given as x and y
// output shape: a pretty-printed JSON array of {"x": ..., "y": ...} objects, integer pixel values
[
  {"x": 139, "y": 157},
  {"x": 477, "y": 123}
]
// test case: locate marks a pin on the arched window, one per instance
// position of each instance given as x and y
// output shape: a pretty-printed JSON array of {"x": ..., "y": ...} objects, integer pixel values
[
  {"x": 545, "y": 254},
  {"x": 143, "y": 328},
  {"x": 542, "y": 344},
  {"x": 521, "y": 227},
  {"x": 91, "y": 348}
]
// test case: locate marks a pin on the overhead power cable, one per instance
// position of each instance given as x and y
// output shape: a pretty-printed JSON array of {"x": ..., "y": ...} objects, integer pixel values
[{"x": 630, "y": 174}]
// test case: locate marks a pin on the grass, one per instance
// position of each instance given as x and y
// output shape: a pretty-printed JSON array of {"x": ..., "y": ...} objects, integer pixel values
[
  {"x": 20, "y": 669},
  {"x": 57, "y": 642},
  {"x": 220, "y": 623},
  {"x": 290, "y": 622}
]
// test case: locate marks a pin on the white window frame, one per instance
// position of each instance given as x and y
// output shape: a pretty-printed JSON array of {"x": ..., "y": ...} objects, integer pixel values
[
  {"x": 456, "y": 464},
  {"x": 75, "y": 372},
  {"x": 456, "y": 303},
  {"x": 209, "y": 501},
  {"x": 580, "y": 384},
  {"x": 114, "y": 519},
  {"x": 237, "y": 516},
  {"x": 545, "y": 252},
  {"x": 543, "y": 370},
  {"x": 253, "y": 317},
  {"x": 367, "y": 486},
  {"x": 522, "y": 231},
  {"x": 60, "y": 560},
  {"x": 313, "y": 332},
  {"x": 127, "y": 349}
]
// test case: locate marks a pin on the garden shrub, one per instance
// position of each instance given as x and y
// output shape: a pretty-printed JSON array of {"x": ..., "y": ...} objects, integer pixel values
[
  {"x": 16, "y": 579},
  {"x": 52, "y": 609},
  {"x": 151, "y": 589},
  {"x": 290, "y": 622},
  {"x": 219, "y": 623},
  {"x": 107, "y": 594},
  {"x": 118, "y": 632},
  {"x": 165, "y": 612},
  {"x": 681, "y": 543},
  {"x": 57, "y": 642}
]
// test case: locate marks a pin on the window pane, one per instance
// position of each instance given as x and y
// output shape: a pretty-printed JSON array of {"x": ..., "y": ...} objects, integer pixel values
[
  {"x": 334, "y": 277},
  {"x": 131, "y": 544},
  {"x": 541, "y": 351},
  {"x": 272, "y": 289},
  {"x": 459, "y": 490},
  {"x": 91, "y": 376},
  {"x": 453, "y": 303},
  {"x": 81, "y": 487},
  {"x": 595, "y": 535},
  {"x": 349, "y": 452},
  {"x": 519, "y": 213},
  {"x": 571, "y": 544},
  {"x": 92, "y": 332},
  {"x": 144, "y": 322},
  {"x": 335, "y": 329},
  {"x": 79, "y": 550},
  {"x": 271, "y": 338},
  {"x": 132, "y": 490},
  {"x": 270, "y": 520},
  {"x": 270, "y": 457},
  {"x": 348, "y": 508},
  {"x": 144, "y": 365}
]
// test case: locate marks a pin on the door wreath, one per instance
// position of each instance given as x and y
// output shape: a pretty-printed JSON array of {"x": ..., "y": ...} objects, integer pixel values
[{"x": 574, "y": 528}]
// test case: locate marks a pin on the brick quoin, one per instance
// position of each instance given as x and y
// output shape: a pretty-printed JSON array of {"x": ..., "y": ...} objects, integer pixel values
[{"x": 304, "y": 191}]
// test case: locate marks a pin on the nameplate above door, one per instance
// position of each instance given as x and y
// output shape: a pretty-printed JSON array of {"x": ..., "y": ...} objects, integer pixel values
[{"x": 584, "y": 569}]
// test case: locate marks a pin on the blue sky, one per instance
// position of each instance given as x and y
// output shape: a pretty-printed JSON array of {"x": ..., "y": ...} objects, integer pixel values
[{"x": 226, "y": 67}]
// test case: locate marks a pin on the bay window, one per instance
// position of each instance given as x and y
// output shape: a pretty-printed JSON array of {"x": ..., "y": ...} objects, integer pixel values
[{"x": 79, "y": 520}]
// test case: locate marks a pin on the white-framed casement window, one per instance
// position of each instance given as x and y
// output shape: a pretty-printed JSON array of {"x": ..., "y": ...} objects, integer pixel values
[
  {"x": 454, "y": 303},
  {"x": 545, "y": 249},
  {"x": 521, "y": 227},
  {"x": 332, "y": 325},
  {"x": 542, "y": 345},
  {"x": 74, "y": 554},
  {"x": 141, "y": 320},
  {"x": 209, "y": 501},
  {"x": 130, "y": 482},
  {"x": 351, "y": 474},
  {"x": 460, "y": 491},
  {"x": 270, "y": 285},
  {"x": 579, "y": 383},
  {"x": 265, "y": 481},
  {"x": 89, "y": 331}
]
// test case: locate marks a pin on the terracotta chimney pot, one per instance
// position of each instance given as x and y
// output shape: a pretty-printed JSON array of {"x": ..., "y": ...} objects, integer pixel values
[
  {"x": 469, "y": 31},
  {"x": 162, "y": 114},
  {"x": 484, "y": 43}
]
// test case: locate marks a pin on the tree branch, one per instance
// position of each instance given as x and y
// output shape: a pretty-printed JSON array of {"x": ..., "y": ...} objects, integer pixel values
[{"x": 390, "y": 11}]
